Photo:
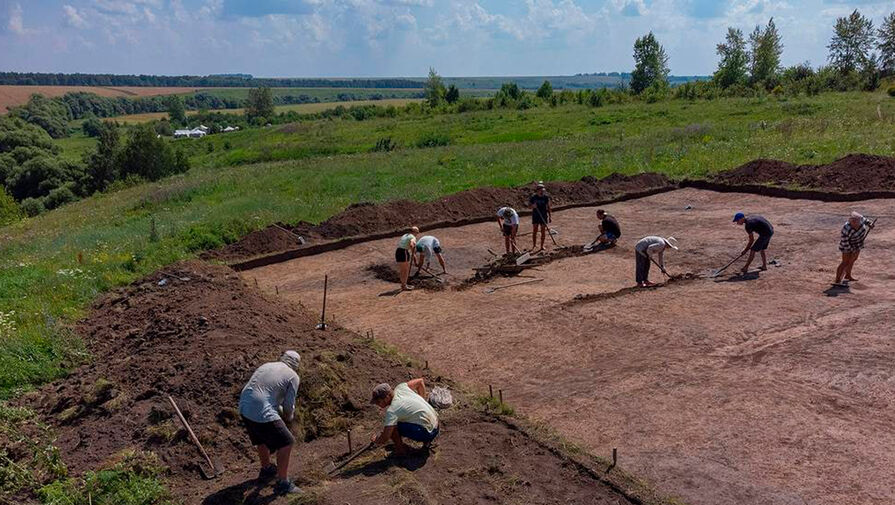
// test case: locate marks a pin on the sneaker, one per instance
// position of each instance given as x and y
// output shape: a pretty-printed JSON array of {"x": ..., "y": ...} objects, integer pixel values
[
  {"x": 268, "y": 472},
  {"x": 286, "y": 487}
]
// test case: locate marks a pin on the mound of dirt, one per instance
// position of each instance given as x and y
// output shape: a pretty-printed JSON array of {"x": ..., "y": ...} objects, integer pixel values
[
  {"x": 851, "y": 174},
  {"x": 506, "y": 266},
  {"x": 368, "y": 218},
  {"x": 197, "y": 332},
  {"x": 388, "y": 272}
]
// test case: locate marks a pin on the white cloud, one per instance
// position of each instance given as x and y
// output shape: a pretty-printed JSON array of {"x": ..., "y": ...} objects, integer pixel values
[
  {"x": 16, "y": 24},
  {"x": 74, "y": 18}
]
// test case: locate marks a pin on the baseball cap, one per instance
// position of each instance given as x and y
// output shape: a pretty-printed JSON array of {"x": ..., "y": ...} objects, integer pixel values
[
  {"x": 738, "y": 216},
  {"x": 379, "y": 392}
]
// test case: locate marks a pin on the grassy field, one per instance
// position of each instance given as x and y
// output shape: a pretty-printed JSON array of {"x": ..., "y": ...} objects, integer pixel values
[
  {"x": 11, "y": 96},
  {"x": 301, "y": 108},
  {"x": 52, "y": 266}
]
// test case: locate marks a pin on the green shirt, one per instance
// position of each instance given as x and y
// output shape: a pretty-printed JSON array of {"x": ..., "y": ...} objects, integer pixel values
[
  {"x": 409, "y": 407},
  {"x": 404, "y": 243}
]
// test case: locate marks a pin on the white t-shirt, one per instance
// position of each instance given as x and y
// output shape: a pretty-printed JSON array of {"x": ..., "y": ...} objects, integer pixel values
[
  {"x": 409, "y": 407},
  {"x": 509, "y": 215},
  {"x": 428, "y": 244}
]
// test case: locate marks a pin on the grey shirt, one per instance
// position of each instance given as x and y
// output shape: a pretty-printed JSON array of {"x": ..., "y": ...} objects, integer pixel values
[
  {"x": 272, "y": 386},
  {"x": 652, "y": 245}
]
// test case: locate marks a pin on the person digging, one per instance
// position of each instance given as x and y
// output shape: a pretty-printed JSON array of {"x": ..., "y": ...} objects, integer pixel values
[
  {"x": 508, "y": 221},
  {"x": 762, "y": 227},
  {"x": 851, "y": 242},
  {"x": 648, "y": 250},
  {"x": 609, "y": 230},
  {"x": 407, "y": 415},
  {"x": 541, "y": 214},
  {"x": 404, "y": 256},
  {"x": 430, "y": 246},
  {"x": 265, "y": 402}
]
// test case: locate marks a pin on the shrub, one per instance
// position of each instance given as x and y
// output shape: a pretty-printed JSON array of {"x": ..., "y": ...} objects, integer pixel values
[
  {"x": 58, "y": 197},
  {"x": 33, "y": 206},
  {"x": 9, "y": 210},
  {"x": 433, "y": 139},
  {"x": 385, "y": 144},
  {"x": 92, "y": 127},
  {"x": 891, "y": 91}
]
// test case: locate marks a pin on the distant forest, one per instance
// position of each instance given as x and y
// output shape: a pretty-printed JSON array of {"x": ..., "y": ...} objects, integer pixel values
[{"x": 578, "y": 81}]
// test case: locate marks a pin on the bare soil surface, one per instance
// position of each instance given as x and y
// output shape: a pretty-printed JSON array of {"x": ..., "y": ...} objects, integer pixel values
[
  {"x": 368, "y": 218},
  {"x": 768, "y": 388},
  {"x": 197, "y": 331},
  {"x": 853, "y": 173}
]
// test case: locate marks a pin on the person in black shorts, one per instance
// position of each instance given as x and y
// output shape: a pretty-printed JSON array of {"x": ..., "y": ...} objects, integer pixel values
[
  {"x": 610, "y": 231},
  {"x": 762, "y": 227},
  {"x": 541, "y": 214},
  {"x": 508, "y": 220}
]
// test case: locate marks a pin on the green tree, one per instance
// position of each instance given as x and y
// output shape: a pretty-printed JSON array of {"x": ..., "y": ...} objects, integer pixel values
[
  {"x": 176, "y": 109},
  {"x": 887, "y": 45},
  {"x": 732, "y": 69},
  {"x": 435, "y": 90},
  {"x": 452, "y": 95},
  {"x": 92, "y": 127},
  {"x": 50, "y": 114},
  {"x": 545, "y": 91},
  {"x": 650, "y": 64},
  {"x": 259, "y": 103},
  {"x": 852, "y": 44},
  {"x": 766, "y": 49},
  {"x": 9, "y": 210},
  {"x": 150, "y": 157},
  {"x": 102, "y": 165}
]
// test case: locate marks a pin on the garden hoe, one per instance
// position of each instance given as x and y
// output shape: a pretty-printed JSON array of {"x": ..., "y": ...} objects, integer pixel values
[
  {"x": 216, "y": 470},
  {"x": 351, "y": 458},
  {"x": 717, "y": 272}
]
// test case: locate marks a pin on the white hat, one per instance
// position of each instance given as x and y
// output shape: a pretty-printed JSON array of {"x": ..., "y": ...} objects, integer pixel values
[
  {"x": 856, "y": 215},
  {"x": 292, "y": 359},
  {"x": 672, "y": 242}
]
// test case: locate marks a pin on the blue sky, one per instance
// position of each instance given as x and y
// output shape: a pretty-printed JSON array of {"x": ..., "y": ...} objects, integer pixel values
[{"x": 395, "y": 37}]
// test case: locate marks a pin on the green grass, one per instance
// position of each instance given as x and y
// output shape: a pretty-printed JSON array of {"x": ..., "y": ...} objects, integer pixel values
[{"x": 327, "y": 166}]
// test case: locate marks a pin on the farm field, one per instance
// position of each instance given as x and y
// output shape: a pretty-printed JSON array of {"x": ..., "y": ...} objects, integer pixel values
[
  {"x": 765, "y": 389},
  {"x": 11, "y": 96},
  {"x": 301, "y": 108}
]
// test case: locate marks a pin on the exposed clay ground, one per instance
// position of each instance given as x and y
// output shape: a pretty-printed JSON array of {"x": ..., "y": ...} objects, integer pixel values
[
  {"x": 765, "y": 389},
  {"x": 197, "y": 331}
]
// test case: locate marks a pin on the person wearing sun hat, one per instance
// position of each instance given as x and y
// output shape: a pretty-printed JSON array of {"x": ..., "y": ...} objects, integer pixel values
[
  {"x": 266, "y": 401},
  {"x": 647, "y": 250},
  {"x": 404, "y": 256},
  {"x": 755, "y": 225}
]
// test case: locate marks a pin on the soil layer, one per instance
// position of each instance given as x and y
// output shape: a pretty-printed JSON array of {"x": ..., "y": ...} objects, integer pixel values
[
  {"x": 851, "y": 174},
  {"x": 197, "y": 331}
]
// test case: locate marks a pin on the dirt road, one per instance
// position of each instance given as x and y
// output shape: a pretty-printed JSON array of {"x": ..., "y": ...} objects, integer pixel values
[{"x": 768, "y": 389}]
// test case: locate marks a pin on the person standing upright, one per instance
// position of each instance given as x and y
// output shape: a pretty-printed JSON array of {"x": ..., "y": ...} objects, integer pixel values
[
  {"x": 851, "y": 241},
  {"x": 541, "y": 214}
]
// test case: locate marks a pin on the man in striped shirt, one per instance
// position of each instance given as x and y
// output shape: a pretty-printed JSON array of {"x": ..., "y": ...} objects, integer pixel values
[{"x": 851, "y": 242}]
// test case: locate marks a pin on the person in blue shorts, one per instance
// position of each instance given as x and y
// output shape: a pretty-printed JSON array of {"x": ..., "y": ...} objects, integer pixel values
[
  {"x": 407, "y": 415},
  {"x": 755, "y": 225}
]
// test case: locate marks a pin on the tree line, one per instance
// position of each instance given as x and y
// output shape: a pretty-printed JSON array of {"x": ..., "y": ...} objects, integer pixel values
[{"x": 194, "y": 81}]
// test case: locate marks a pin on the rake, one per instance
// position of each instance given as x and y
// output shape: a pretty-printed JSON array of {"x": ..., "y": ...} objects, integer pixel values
[
  {"x": 717, "y": 272},
  {"x": 352, "y": 458},
  {"x": 216, "y": 469},
  {"x": 491, "y": 290}
]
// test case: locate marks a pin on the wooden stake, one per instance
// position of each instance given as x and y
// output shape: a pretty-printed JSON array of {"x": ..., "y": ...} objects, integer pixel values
[
  {"x": 614, "y": 456},
  {"x": 500, "y": 395},
  {"x": 427, "y": 364},
  {"x": 490, "y": 392},
  {"x": 350, "y": 449},
  {"x": 256, "y": 282},
  {"x": 278, "y": 289}
]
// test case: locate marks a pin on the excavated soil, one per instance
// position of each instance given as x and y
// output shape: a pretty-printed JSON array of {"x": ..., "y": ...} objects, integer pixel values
[
  {"x": 389, "y": 273},
  {"x": 197, "y": 332},
  {"x": 369, "y": 218},
  {"x": 853, "y": 173}
]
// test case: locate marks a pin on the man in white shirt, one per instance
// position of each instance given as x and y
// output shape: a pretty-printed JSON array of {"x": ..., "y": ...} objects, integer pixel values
[
  {"x": 647, "y": 250},
  {"x": 430, "y": 246},
  {"x": 407, "y": 415},
  {"x": 266, "y": 401}
]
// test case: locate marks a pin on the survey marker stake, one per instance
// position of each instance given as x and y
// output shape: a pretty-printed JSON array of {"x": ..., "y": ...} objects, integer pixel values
[{"x": 322, "y": 325}]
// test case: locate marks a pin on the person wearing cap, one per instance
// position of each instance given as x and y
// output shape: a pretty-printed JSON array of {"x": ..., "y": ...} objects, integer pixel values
[
  {"x": 267, "y": 400},
  {"x": 851, "y": 241},
  {"x": 609, "y": 229},
  {"x": 404, "y": 255},
  {"x": 755, "y": 224},
  {"x": 430, "y": 246},
  {"x": 541, "y": 214},
  {"x": 508, "y": 220},
  {"x": 647, "y": 250},
  {"x": 407, "y": 415}
]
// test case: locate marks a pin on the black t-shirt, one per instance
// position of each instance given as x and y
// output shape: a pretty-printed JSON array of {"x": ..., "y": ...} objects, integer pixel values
[
  {"x": 759, "y": 225},
  {"x": 610, "y": 225},
  {"x": 541, "y": 203}
]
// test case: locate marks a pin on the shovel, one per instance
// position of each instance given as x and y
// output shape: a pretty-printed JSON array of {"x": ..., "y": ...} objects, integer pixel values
[
  {"x": 352, "y": 458},
  {"x": 549, "y": 231},
  {"x": 216, "y": 469},
  {"x": 437, "y": 279},
  {"x": 717, "y": 272},
  {"x": 491, "y": 290}
]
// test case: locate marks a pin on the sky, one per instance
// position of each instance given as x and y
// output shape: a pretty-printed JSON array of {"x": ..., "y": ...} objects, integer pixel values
[{"x": 379, "y": 38}]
